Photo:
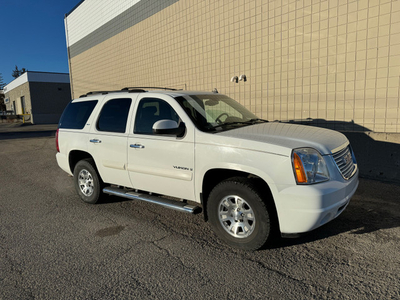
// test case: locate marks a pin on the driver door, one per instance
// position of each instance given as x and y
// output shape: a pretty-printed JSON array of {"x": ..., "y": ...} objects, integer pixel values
[{"x": 161, "y": 163}]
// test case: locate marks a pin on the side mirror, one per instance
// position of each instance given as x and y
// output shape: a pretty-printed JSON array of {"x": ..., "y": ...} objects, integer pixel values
[{"x": 169, "y": 127}]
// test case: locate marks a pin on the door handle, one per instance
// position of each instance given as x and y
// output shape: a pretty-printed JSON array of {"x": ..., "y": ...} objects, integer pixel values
[
  {"x": 96, "y": 141},
  {"x": 137, "y": 146}
]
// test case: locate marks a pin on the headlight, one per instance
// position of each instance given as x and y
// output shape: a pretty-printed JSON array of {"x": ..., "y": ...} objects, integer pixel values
[{"x": 309, "y": 166}]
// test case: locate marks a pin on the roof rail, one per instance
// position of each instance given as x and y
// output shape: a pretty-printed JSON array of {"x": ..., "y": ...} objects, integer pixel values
[
  {"x": 98, "y": 92},
  {"x": 135, "y": 91},
  {"x": 149, "y": 87},
  {"x": 130, "y": 90},
  {"x": 94, "y": 92}
]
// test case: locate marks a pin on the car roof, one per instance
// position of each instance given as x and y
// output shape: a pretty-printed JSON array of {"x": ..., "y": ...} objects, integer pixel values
[{"x": 172, "y": 93}]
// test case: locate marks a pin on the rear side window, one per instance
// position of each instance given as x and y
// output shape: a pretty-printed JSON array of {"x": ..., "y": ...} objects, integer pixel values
[
  {"x": 76, "y": 114},
  {"x": 114, "y": 115}
]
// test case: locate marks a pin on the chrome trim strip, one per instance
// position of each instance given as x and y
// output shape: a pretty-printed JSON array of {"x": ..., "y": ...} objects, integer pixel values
[{"x": 340, "y": 148}]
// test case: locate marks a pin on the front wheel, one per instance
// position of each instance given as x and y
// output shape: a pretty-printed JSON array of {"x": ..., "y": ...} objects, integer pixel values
[
  {"x": 238, "y": 214},
  {"x": 87, "y": 182}
]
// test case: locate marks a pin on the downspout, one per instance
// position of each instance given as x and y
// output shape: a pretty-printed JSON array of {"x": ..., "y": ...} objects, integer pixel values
[{"x": 69, "y": 57}]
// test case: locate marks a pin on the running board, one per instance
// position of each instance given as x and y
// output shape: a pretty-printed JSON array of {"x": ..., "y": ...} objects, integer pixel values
[{"x": 176, "y": 205}]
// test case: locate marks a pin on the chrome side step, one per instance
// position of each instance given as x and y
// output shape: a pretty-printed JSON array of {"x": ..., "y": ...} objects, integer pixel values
[{"x": 179, "y": 206}]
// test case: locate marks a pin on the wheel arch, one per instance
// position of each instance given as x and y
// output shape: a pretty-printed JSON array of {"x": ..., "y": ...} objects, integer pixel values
[
  {"x": 214, "y": 176},
  {"x": 77, "y": 155}
]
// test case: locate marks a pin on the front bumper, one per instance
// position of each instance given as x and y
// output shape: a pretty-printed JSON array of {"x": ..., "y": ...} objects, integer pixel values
[{"x": 302, "y": 208}]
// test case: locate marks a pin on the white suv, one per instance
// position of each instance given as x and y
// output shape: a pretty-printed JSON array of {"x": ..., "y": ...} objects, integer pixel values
[{"x": 251, "y": 177}]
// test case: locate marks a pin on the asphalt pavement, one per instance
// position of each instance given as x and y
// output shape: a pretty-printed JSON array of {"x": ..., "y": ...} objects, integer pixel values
[{"x": 54, "y": 246}]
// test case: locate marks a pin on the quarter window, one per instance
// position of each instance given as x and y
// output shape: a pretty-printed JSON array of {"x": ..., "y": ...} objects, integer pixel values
[
  {"x": 114, "y": 115},
  {"x": 76, "y": 114}
]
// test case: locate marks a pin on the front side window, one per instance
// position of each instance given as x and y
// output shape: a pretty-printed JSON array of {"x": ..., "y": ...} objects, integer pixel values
[
  {"x": 151, "y": 110},
  {"x": 114, "y": 115},
  {"x": 76, "y": 114}
]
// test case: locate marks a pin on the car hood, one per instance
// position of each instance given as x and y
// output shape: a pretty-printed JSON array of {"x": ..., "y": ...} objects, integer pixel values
[{"x": 291, "y": 136}]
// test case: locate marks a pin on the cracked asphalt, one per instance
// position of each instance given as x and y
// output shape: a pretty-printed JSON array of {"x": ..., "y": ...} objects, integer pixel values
[{"x": 54, "y": 246}]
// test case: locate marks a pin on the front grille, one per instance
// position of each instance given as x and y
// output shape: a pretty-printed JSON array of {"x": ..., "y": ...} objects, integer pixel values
[{"x": 345, "y": 162}]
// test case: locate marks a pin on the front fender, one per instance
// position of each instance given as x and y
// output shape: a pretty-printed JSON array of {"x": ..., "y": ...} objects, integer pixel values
[{"x": 275, "y": 170}]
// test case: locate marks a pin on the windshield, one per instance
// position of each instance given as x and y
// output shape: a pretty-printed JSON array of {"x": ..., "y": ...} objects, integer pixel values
[{"x": 216, "y": 112}]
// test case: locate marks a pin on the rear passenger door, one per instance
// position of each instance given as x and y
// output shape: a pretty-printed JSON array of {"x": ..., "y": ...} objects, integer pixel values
[
  {"x": 160, "y": 163},
  {"x": 108, "y": 140}
]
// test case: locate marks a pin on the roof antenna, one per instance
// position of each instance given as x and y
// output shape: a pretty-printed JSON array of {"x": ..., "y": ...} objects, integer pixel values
[{"x": 215, "y": 91}]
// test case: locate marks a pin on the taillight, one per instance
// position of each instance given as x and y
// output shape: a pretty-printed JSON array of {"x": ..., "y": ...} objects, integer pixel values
[{"x": 58, "y": 147}]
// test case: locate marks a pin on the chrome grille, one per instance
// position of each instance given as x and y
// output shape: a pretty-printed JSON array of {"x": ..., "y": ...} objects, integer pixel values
[{"x": 345, "y": 162}]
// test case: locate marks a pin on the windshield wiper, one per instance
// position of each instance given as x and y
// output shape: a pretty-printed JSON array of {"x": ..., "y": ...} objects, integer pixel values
[
  {"x": 249, "y": 122},
  {"x": 229, "y": 123},
  {"x": 252, "y": 121}
]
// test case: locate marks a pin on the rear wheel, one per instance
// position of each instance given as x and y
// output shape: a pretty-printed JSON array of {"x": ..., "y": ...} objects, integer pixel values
[
  {"x": 87, "y": 182},
  {"x": 238, "y": 214}
]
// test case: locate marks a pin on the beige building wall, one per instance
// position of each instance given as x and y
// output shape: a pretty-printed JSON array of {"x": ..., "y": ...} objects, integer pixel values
[
  {"x": 15, "y": 96},
  {"x": 335, "y": 61}
]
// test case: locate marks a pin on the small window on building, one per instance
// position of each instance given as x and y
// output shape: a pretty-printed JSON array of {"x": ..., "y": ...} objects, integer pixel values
[
  {"x": 151, "y": 110},
  {"x": 114, "y": 115},
  {"x": 76, "y": 114}
]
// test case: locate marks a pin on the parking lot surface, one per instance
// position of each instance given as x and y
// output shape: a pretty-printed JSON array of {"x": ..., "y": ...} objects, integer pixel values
[{"x": 54, "y": 246}]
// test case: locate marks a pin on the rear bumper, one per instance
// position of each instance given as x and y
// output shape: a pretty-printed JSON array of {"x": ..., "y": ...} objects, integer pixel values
[
  {"x": 303, "y": 208},
  {"x": 62, "y": 161}
]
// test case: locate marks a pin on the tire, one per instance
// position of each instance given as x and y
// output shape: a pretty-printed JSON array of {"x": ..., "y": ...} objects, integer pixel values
[
  {"x": 238, "y": 214},
  {"x": 87, "y": 181}
]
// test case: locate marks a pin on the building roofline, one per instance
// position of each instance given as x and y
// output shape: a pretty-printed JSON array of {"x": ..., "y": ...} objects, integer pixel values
[
  {"x": 47, "y": 72},
  {"x": 75, "y": 7},
  {"x": 34, "y": 76}
]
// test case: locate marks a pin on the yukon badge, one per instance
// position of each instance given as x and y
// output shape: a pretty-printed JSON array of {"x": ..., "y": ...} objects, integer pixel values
[{"x": 183, "y": 168}]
